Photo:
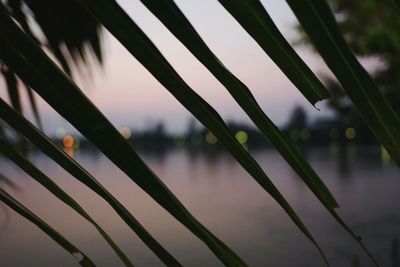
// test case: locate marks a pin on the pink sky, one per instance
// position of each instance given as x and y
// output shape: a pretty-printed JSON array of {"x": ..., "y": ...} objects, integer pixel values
[{"x": 130, "y": 96}]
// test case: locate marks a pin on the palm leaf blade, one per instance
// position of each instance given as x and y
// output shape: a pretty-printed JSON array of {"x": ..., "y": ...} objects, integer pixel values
[
  {"x": 12, "y": 89},
  {"x": 57, "y": 237}
]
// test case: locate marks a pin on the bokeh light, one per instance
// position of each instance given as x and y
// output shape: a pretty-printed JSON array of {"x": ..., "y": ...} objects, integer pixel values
[
  {"x": 350, "y": 133},
  {"x": 60, "y": 132},
  {"x": 241, "y": 136},
  {"x": 68, "y": 141},
  {"x": 211, "y": 139}
]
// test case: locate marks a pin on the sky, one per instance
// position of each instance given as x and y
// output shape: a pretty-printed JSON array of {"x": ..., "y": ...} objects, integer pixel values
[{"x": 129, "y": 96}]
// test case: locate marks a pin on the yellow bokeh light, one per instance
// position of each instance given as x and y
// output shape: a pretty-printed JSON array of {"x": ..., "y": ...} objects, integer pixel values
[
  {"x": 211, "y": 139},
  {"x": 350, "y": 133},
  {"x": 241, "y": 136},
  {"x": 68, "y": 141}
]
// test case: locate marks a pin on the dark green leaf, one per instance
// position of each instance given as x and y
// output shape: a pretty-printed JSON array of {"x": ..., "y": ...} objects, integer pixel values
[
  {"x": 67, "y": 38},
  {"x": 23, "y": 211}
]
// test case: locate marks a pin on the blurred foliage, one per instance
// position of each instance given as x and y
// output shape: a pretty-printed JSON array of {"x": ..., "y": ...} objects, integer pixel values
[
  {"x": 371, "y": 29},
  {"x": 63, "y": 28}
]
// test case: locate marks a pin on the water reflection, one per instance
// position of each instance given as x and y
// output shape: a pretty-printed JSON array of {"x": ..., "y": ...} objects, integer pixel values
[{"x": 223, "y": 196}]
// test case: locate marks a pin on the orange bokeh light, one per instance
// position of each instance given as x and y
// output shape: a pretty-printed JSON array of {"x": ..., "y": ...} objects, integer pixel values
[{"x": 68, "y": 141}]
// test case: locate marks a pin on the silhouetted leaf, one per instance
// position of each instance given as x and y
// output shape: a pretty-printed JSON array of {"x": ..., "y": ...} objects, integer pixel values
[
  {"x": 15, "y": 8},
  {"x": 56, "y": 236},
  {"x": 12, "y": 89},
  {"x": 66, "y": 23}
]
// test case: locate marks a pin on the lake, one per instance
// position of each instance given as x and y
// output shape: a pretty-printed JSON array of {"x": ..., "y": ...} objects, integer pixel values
[{"x": 225, "y": 199}]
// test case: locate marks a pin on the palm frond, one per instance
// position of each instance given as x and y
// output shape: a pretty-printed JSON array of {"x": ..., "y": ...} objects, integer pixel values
[
  {"x": 64, "y": 24},
  {"x": 12, "y": 88}
]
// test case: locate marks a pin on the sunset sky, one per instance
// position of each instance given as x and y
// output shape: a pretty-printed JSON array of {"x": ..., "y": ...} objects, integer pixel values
[{"x": 130, "y": 96}]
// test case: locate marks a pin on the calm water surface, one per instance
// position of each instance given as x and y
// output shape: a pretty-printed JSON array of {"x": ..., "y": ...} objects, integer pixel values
[{"x": 223, "y": 197}]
